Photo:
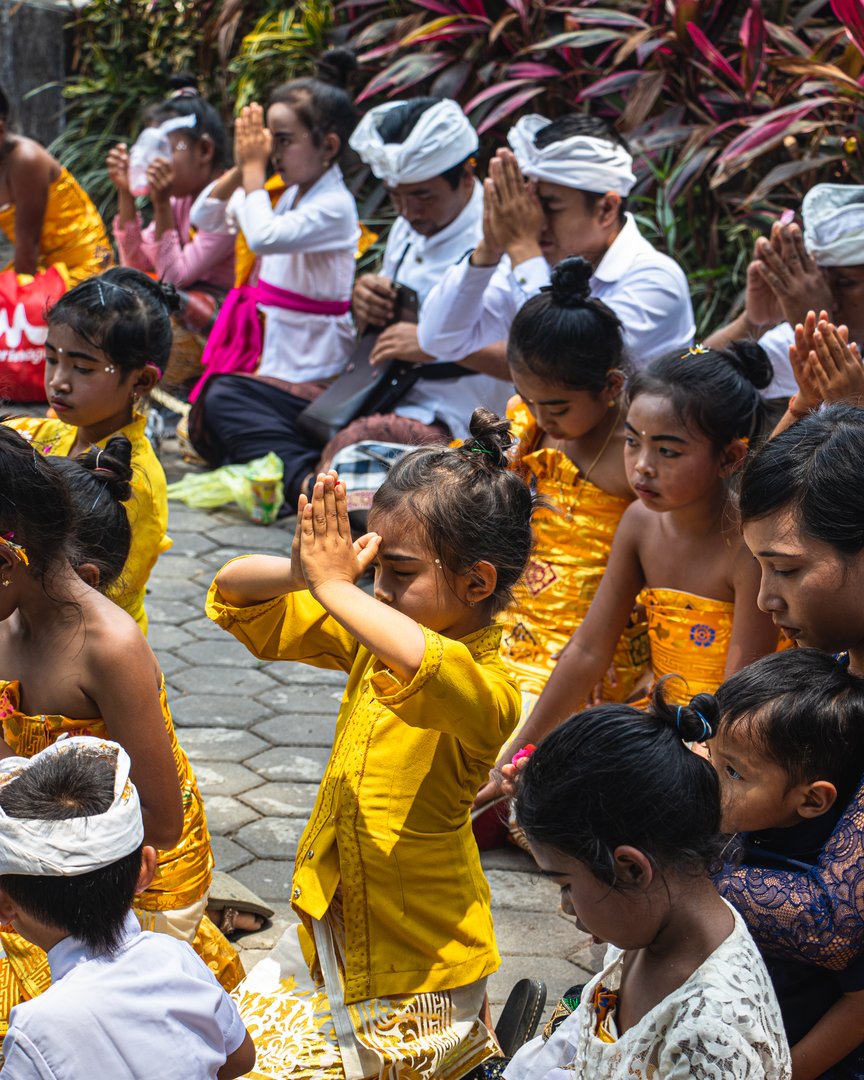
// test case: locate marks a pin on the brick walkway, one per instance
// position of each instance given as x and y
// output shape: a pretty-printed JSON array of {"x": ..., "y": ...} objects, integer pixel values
[{"x": 258, "y": 735}]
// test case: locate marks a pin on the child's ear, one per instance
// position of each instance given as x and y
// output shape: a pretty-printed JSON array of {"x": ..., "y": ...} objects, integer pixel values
[
  {"x": 632, "y": 866},
  {"x": 817, "y": 799},
  {"x": 331, "y": 145},
  {"x": 205, "y": 148},
  {"x": 8, "y": 910},
  {"x": 148, "y": 868},
  {"x": 482, "y": 579},
  {"x": 732, "y": 456},
  {"x": 145, "y": 380}
]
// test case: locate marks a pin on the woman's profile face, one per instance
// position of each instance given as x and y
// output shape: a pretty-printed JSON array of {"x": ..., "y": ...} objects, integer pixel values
[{"x": 813, "y": 592}]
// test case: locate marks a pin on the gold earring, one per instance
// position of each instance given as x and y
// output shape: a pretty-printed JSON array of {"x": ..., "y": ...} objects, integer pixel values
[
  {"x": 5, "y": 582},
  {"x": 470, "y": 602}
]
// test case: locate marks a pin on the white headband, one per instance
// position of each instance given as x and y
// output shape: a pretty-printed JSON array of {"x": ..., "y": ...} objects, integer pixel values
[
  {"x": 834, "y": 224},
  {"x": 578, "y": 161},
  {"x": 72, "y": 846},
  {"x": 441, "y": 138}
]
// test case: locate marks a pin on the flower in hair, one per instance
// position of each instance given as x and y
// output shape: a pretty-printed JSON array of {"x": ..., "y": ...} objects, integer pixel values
[
  {"x": 524, "y": 753},
  {"x": 694, "y": 350}
]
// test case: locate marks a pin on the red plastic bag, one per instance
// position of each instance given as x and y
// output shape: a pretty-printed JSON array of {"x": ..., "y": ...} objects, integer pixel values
[{"x": 23, "y": 332}]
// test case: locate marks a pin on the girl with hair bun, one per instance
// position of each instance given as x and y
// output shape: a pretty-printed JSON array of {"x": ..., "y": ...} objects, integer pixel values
[
  {"x": 620, "y": 813},
  {"x": 565, "y": 353},
  {"x": 109, "y": 340},
  {"x": 71, "y": 662},
  {"x": 677, "y": 548},
  {"x": 168, "y": 247},
  {"x": 387, "y": 876}
]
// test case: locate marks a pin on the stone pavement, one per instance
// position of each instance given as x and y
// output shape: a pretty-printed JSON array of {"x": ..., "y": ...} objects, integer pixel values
[{"x": 258, "y": 735}]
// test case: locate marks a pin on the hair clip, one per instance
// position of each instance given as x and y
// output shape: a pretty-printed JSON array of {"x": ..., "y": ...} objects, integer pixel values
[
  {"x": 19, "y": 551},
  {"x": 101, "y": 293},
  {"x": 694, "y": 350},
  {"x": 479, "y": 450}
]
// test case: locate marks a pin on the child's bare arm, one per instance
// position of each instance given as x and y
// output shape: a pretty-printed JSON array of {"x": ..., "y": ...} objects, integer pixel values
[
  {"x": 240, "y": 1061},
  {"x": 838, "y": 1033},
  {"x": 753, "y": 631}
]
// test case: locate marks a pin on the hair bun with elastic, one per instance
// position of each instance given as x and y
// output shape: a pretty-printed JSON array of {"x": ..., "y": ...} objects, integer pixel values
[
  {"x": 112, "y": 465},
  {"x": 183, "y": 84},
  {"x": 695, "y": 722},
  {"x": 336, "y": 66},
  {"x": 752, "y": 361},
  {"x": 571, "y": 282},
  {"x": 490, "y": 438}
]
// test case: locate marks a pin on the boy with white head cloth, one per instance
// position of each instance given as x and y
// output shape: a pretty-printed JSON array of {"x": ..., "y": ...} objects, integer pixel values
[
  {"x": 423, "y": 152},
  {"x": 560, "y": 191},
  {"x": 821, "y": 269},
  {"x": 123, "y": 1002}
]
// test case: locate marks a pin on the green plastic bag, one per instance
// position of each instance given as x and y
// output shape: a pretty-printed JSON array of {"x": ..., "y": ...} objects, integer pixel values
[{"x": 256, "y": 487}]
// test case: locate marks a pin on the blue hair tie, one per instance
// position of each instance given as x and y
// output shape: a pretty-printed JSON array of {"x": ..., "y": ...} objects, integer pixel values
[{"x": 707, "y": 730}]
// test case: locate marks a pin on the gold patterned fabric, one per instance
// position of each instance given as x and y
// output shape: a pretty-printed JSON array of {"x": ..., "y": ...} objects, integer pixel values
[
  {"x": 689, "y": 636},
  {"x": 573, "y": 535},
  {"x": 73, "y": 234},
  {"x": 182, "y": 873}
]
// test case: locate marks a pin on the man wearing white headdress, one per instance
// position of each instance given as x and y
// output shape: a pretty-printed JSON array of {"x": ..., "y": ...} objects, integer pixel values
[
  {"x": 793, "y": 272},
  {"x": 123, "y": 1002},
  {"x": 579, "y": 173},
  {"x": 422, "y": 150}
]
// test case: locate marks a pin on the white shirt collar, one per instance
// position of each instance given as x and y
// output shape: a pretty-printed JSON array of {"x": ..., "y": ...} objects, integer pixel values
[
  {"x": 621, "y": 252},
  {"x": 327, "y": 181},
  {"x": 71, "y": 951}
]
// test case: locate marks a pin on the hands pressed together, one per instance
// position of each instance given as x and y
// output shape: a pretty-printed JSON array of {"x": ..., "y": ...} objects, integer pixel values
[
  {"x": 512, "y": 214},
  {"x": 826, "y": 365},
  {"x": 783, "y": 280}
]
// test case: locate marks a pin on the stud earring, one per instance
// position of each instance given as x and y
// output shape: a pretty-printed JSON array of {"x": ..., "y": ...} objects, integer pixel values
[
  {"x": 470, "y": 602},
  {"x": 5, "y": 582}
]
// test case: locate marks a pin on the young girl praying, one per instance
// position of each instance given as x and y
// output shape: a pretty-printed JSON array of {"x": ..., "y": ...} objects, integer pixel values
[
  {"x": 72, "y": 661},
  {"x": 565, "y": 353},
  {"x": 677, "y": 548},
  {"x": 396, "y": 933},
  {"x": 626, "y": 819},
  {"x": 306, "y": 245},
  {"x": 789, "y": 752},
  {"x": 108, "y": 342}
]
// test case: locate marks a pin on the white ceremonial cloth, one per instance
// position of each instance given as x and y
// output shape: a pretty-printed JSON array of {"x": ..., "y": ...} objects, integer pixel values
[
  {"x": 473, "y": 306},
  {"x": 425, "y": 260},
  {"x": 723, "y": 1023},
  {"x": 441, "y": 138},
  {"x": 309, "y": 249},
  {"x": 154, "y": 1011},
  {"x": 834, "y": 224},
  {"x": 579, "y": 161}
]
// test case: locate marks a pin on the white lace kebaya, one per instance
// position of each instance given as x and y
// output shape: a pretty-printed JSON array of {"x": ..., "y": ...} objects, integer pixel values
[{"x": 723, "y": 1023}]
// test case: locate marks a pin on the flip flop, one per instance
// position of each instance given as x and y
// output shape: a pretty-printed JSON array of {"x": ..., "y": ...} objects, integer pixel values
[{"x": 229, "y": 897}]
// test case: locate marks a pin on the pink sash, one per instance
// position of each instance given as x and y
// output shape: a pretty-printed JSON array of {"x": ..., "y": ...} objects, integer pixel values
[{"x": 235, "y": 342}]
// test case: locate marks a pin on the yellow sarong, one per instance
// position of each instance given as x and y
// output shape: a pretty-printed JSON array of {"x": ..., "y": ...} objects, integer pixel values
[
  {"x": 573, "y": 536},
  {"x": 182, "y": 874},
  {"x": 73, "y": 234}
]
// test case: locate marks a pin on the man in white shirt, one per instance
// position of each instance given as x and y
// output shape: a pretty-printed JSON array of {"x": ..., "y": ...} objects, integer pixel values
[
  {"x": 123, "y": 1002},
  {"x": 423, "y": 151},
  {"x": 791, "y": 274},
  {"x": 579, "y": 174}
]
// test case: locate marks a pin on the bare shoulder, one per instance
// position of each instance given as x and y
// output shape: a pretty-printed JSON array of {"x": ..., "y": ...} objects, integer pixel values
[
  {"x": 31, "y": 163},
  {"x": 114, "y": 646}
]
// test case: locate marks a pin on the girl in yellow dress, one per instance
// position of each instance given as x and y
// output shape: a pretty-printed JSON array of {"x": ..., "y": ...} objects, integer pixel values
[
  {"x": 108, "y": 342},
  {"x": 72, "y": 661},
  {"x": 565, "y": 353},
  {"x": 387, "y": 973},
  {"x": 678, "y": 547},
  {"x": 44, "y": 213}
]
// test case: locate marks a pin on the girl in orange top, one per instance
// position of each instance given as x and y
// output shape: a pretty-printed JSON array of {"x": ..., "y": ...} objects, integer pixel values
[{"x": 688, "y": 421}]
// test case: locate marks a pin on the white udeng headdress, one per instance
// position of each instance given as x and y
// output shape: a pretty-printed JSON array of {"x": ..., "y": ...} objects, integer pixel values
[
  {"x": 73, "y": 846},
  {"x": 834, "y": 224},
  {"x": 441, "y": 138},
  {"x": 578, "y": 161}
]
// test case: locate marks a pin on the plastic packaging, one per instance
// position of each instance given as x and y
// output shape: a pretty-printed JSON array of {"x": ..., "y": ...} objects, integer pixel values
[
  {"x": 256, "y": 487},
  {"x": 152, "y": 143}
]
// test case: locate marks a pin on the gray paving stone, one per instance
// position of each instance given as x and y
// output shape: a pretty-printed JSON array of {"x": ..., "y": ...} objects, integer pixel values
[
  {"x": 220, "y": 744},
  {"x": 177, "y": 567},
  {"x": 205, "y": 629},
  {"x": 283, "y": 763},
  {"x": 249, "y": 956},
  {"x": 190, "y": 543},
  {"x": 236, "y": 681},
  {"x": 193, "y": 591},
  {"x": 226, "y": 815},
  {"x": 215, "y": 560},
  {"x": 169, "y": 663},
  {"x": 186, "y": 518},
  {"x": 224, "y": 650},
  {"x": 558, "y": 974},
  {"x": 323, "y": 700},
  {"x": 229, "y": 854},
  {"x": 269, "y": 878},
  {"x": 175, "y": 612},
  {"x": 164, "y": 636},
  {"x": 291, "y": 729},
  {"x": 269, "y": 934},
  {"x": 255, "y": 538},
  {"x": 537, "y": 933},
  {"x": 216, "y": 710},
  {"x": 223, "y": 778},
  {"x": 282, "y": 800},
  {"x": 272, "y": 837},
  {"x": 508, "y": 858},
  {"x": 522, "y": 892},
  {"x": 306, "y": 675}
]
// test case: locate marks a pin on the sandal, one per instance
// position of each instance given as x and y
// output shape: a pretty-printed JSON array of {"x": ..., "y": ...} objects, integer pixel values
[{"x": 229, "y": 898}]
